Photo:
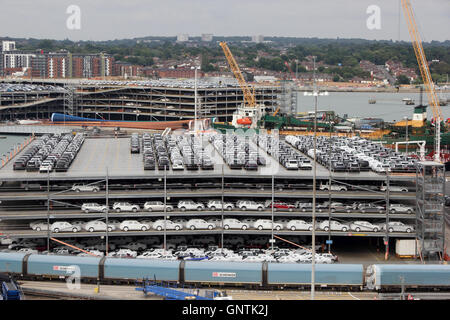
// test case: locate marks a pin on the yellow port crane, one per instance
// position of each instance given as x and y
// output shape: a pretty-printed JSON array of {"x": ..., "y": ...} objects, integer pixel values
[
  {"x": 249, "y": 97},
  {"x": 433, "y": 100}
]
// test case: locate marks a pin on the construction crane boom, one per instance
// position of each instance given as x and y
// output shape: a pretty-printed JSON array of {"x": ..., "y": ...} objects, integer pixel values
[
  {"x": 433, "y": 100},
  {"x": 249, "y": 97},
  {"x": 290, "y": 70}
]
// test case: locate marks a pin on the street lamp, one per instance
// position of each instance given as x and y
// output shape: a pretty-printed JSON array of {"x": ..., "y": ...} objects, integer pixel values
[
  {"x": 406, "y": 126},
  {"x": 315, "y": 93}
]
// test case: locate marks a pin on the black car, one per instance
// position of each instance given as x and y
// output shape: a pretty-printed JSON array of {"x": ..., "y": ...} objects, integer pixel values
[
  {"x": 191, "y": 165},
  {"x": 235, "y": 165},
  {"x": 135, "y": 148},
  {"x": 149, "y": 165},
  {"x": 61, "y": 166},
  {"x": 20, "y": 165},
  {"x": 251, "y": 165}
]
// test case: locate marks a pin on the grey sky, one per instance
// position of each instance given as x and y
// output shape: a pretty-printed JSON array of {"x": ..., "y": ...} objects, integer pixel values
[{"x": 118, "y": 19}]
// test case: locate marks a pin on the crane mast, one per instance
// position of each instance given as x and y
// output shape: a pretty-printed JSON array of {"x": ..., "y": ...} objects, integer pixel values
[
  {"x": 249, "y": 97},
  {"x": 426, "y": 75}
]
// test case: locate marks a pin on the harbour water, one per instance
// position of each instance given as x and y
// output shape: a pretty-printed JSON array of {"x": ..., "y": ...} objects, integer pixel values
[{"x": 389, "y": 106}]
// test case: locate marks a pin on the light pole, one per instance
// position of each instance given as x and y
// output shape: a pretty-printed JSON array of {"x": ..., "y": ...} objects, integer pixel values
[
  {"x": 315, "y": 93},
  {"x": 273, "y": 191},
  {"x": 165, "y": 209},
  {"x": 195, "y": 102},
  {"x": 48, "y": 209},
  {"x": 107, "y": 210},
  {"x": 221, "y": 243},
  {"x": 406, "y": 126}
]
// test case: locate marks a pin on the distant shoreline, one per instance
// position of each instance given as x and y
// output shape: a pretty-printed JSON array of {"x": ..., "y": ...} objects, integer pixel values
[{"x": 374, "y": 90}]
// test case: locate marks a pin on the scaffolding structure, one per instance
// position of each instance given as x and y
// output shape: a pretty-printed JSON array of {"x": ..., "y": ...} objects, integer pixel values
[
  {"x": 287, "y": 99},
  {"x": 430, "y": 200},
  {"x": 69, "y": 100}
]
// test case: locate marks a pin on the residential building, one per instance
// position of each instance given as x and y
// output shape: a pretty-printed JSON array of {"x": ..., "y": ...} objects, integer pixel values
[{"x": 207, "y": 37}]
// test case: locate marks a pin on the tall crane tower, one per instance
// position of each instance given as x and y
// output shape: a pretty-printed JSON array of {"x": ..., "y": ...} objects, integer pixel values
[
  {"x": 433, "y": 100},
  {"x": 249, "y": 97}
]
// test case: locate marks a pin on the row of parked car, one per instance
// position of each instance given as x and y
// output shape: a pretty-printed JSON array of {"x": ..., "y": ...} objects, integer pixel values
[
  {"x": 250, "y": 205},
  {"x": 219, "y": 254},
  {"x": 237, "y": 151},
  {"x": 135, "y": 146},
  {"x": 48, "y": 153},
  {"x": 169, "y": 83},
  {"x": 283, "y": 153},
  {"x": 353, "y": 154},
  {"x": 13, "y": 87},
  {"x": 188, "y": 151},
  {"x": 213, "y": 223},
  {"x": 238, "y": 242},
  {"x": 145, "y": 249}
]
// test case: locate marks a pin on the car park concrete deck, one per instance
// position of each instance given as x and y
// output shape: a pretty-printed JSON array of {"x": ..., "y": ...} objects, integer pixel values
[
  {"x": 118, "y": 233},
  {"x": 72, "y": 214},
  {"x": 102, "y": 156}
]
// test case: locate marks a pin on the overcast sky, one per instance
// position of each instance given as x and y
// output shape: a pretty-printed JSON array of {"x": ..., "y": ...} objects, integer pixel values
[{"x": 118, "y": 19}]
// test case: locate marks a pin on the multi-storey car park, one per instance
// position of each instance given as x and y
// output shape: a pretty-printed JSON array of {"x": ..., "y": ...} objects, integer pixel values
[
  {"x": 152, "y": 100},
  {"x": 119, "y": 175}
]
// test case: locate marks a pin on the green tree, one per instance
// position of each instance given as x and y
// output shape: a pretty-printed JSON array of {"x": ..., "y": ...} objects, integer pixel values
[{"x": 402, "y": 79}]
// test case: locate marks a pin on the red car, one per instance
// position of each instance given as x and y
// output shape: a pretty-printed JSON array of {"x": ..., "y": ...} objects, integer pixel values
[{"x": 279, "y": 205}]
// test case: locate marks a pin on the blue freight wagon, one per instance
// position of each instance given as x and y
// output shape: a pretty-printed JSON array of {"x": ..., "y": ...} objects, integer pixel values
[
  {"x": 325, "y": 274},
  {"x": 412, "y": 275},
  {"x": 62, "y": 266},
  {"x": 132, "y": 269},
  {"x": 223, "y": 272},
  {"x": 11, "y": 262}
]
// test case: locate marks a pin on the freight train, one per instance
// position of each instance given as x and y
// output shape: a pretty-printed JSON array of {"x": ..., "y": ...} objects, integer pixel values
[{"x": 378, "y": 277}]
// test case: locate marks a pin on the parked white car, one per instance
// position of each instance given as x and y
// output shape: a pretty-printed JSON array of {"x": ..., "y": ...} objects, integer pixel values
[
  {"x": 85, "y": 187},
  {"x": 177, "y": 165},
  {"x": 234, "y": 224},
  {"x": 123, "y": 253},
  {"x": 253, "y": 259},
  {"x": 298, "y": 225},
  {"x": 190, "y": 205},
  {"x": 170, "y": 225},
  {"x": 93, "y": 207},
  {"x": 92, "y": 226},
  {"x": 394, "y": 188},
  {"x": 217, "y": 205},
  {"x": 63, "y": 226},
  {"x": 199, "y": 224},
  {"x": 400, "y": 208},
  {"x": 149, "y": 255},
  {"x": 27, "y": 250},
  {"x": 78, "y": 224},
  {"x": 157, "y": 206},
  {"x": 125, "y": 206},
  {"x": 133, "y": 225},
  {"x": 397, "y": 226},
  {"x": 333, "y": 225},
  {"x": 288, "y": 259},
  {"x": 262, "y": 224},
  {"x": 45, "y": 167},
  {"x": 334, "y": 187},
  {"x": 249, "y": 205},
  {"x": 363, "y": 226},
  {"x": 39, "y": 226}
]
